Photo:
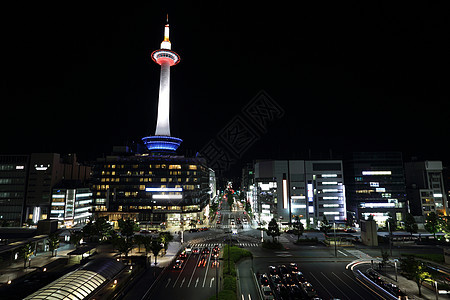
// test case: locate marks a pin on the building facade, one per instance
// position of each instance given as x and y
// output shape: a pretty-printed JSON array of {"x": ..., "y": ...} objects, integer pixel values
[
  {"x": 156, "y": 191},
  {"x": 375, "y": 185},
  {"x": 425, "y": 188},
  {"x": 71, "y": 203},
  {"x": 13, "y": 179},
  {"x": 312, "y": 189}
]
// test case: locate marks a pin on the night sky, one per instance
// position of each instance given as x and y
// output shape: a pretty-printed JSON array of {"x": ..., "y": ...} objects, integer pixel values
[{"x": 350, "y": 77}]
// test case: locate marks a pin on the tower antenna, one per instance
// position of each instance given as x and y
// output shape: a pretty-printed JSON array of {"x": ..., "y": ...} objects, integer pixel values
[{"x": 167, "y": 18}]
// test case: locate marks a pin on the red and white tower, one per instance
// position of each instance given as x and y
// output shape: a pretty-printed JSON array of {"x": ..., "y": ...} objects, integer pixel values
[{"x": 162, "y": 141}]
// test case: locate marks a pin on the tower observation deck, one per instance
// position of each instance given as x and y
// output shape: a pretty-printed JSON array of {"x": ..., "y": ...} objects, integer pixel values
[{"x": 162, "y": 141}]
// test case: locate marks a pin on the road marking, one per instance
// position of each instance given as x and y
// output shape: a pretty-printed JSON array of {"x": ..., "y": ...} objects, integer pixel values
[
  {"x": 182, "y": 281},
  {"x": 168, "y": 281},
  {"x": 206, "y": 273},
  {"x": 196, "y": 282},
  {"x": 321, "y": 284},
  {"x": 185, "y": 263},
  {"x": 210, "y": 284},
  {"x": 360, "y": 297},
  {"x": 335, "y": 286},
  {"x": 361, "y": 285},
  {"x": 249, "y": 298},
  {"x": 342, "y": 252},
  {"x": 195, "y": 268}
]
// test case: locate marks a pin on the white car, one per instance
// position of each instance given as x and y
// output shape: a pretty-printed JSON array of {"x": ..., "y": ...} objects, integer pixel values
[{"x": 188, "y": 249}]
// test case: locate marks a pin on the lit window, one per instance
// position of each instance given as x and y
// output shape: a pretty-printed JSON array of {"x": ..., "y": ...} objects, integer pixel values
[
  {"x": 192, "y": 167},
  {"x": 174, "y": 166}
]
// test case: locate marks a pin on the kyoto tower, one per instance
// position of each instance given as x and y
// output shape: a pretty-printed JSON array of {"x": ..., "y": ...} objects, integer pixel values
[{"x": 162, "y": 142}]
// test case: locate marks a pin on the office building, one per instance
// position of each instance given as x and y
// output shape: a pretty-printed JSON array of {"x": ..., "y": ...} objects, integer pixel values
[
  {"x": 71, "y": 203},
  {"x": 13, "y": 179},
  {"x": 425, "y": 187},
  {"x": 284, "y": 189},
  {"x": 375, "y": 185},
  {"x": 156, "y": 191}
]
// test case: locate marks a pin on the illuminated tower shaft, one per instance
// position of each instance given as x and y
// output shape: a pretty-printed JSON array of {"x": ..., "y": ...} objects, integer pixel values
[
  {"x": 162, "y": 141},
  {"x": 163, "y": 124}
]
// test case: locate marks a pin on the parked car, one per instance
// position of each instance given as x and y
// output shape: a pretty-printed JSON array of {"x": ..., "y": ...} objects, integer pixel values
[
  {"x": 267, "y": 293},
  {"x": 308, "y": 289}
]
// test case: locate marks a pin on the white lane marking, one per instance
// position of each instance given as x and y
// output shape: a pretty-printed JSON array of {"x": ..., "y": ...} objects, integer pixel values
[
  {"x": 196, "y": 282},
  {"x": 335, "y": 286},
  {"x": 210, "y": 284},
  {"x": 182, "y": 281},
  {"x": 342, "y": 252},
  {"x": 206, "y": 273},
  {"x": 249, "y": 298},
  {"x": 195, "y": 268},
  {"x": 185, "y": 263},
  {"x": 168, "y": 281},
  {"x": 321, "y": 284},
  {"x": 360, "y": 297}
]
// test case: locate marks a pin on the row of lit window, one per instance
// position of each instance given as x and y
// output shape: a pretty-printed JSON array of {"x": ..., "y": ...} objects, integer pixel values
[
  {"x": 141, "y": 187},
  {"x": 121, "y": 208},
  {"x": 157, "y": 166}
]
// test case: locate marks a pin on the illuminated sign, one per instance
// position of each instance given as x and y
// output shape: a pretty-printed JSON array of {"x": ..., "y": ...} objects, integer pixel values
[
  {"x": 285, "y": 194},
  {"x": 310, "y": 192},
  {"x": 329, "y": 175},
  {"x": 156, "y": 189},
  {"x": 376, "y": 172},
  {"x": 168, "y": 197}
]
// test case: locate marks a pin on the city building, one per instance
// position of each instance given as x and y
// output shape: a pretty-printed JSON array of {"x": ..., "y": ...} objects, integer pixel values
[
  {"x": 375, "y": 185},
  {"x": 47, "y": 169},
  {"x": 310, "y": 189},
  {"x": 13, "y": 179},
  {"x": 26, "y": 183},
  {"x": 71, "y": 203},
  {"x": 156, "y": 187},
  {"x": 425, "y": 187}
]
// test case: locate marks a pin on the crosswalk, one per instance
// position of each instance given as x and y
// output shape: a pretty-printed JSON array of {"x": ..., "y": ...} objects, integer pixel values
[
  {"x": 359, "y": 254},
  {"x": 209, "y": 245}
]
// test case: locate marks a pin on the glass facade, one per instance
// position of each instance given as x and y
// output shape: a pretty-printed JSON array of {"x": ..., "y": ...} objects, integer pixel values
[{"x": 150, "y": 189}]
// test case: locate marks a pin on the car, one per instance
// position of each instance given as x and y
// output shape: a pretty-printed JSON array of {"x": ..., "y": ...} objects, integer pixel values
[
  {"x": 308, "y": 289},
  {"x": 296, "y": 292},
  {"x": 299, "y": 277},
  {"x": 293, "y": 267},
  {"x": 195, "y": 251},
  {"x": 273, "y": 270},
  {"x": 214, "y": 263},
  {"x": 267, "y": 293},
  {"x": 193, "y": 230},
  {"x": 214, "y": 253},
  {"x": 264, "y": 280},
  {"x": 276, "y": 280},
  {"x": 205, "y": 250},
  {"x": 182, "y": 255},
  {"x": 178, "y": 264},
  {"x": 188, "y": 249},
  {"x": 282, "y": 270},
  {"x": 288, "y": 280},
  {"x": 202, "y": 261}
]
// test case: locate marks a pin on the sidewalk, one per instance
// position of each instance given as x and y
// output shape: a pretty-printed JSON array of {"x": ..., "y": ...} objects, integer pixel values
[{"x": 16, "y": 270}]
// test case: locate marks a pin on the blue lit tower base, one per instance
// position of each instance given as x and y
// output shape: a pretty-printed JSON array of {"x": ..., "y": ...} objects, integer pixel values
[{"x": 162, "y": 144}]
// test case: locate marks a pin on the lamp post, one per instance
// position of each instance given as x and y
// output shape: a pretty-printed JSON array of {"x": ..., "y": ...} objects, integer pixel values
[
  {"x": 437, "y": 291},
  {"x": 395, "y": 265},
  {"x": 335, "y": 244}
]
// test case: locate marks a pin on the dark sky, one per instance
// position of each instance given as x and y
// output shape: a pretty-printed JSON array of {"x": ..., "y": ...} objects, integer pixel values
[{"x": 350, "y": 77}]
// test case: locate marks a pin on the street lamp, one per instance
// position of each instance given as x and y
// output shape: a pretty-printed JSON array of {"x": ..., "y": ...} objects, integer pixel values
[{"x": 335, "y": 242}]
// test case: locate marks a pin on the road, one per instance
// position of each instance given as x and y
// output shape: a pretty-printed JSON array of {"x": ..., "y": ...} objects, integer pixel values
[{"x": 191, "y": 282}]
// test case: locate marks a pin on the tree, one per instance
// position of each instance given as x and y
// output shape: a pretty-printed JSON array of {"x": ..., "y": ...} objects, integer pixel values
[
  {"x": 25, "y": 252},
  {"x": 122, "y": 244},
  {"x": 103, "y": 227},
  {"x": 127, "y": 228},
  {"x": 325, "y": 226},
  {"x": 298, "y": 227},
  {"x": 156, "y": 246},
  {"x": 147, "y": 241},
  {"x": 53, "y": 243},
  {"x": 410, "y": 224},
  {"x": 76, "y": 237},
  {"x": 432, "y": 223},
  {"x": 415, "y": 270},
  {"x": 272, "y": 229},
  {"x": 369, "y": 218},
  {"x": 139, "y": 240},
  {"x": 165, "y": 238}
]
